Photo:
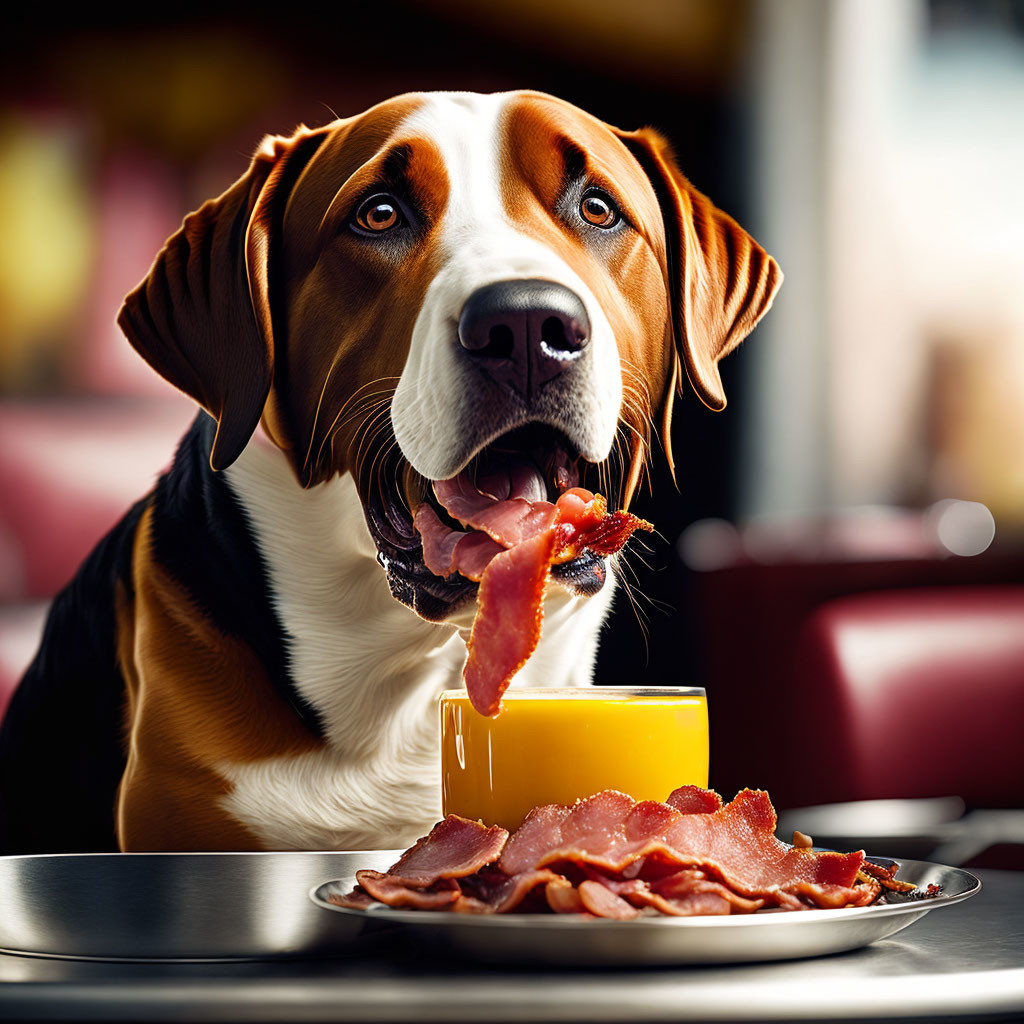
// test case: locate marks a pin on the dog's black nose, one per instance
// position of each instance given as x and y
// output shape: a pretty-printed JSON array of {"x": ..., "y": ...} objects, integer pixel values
[{"x": 523, "y": 333}]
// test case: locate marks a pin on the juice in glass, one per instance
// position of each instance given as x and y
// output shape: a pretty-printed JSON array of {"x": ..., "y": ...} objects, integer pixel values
[{"x": 558, "y": 745}]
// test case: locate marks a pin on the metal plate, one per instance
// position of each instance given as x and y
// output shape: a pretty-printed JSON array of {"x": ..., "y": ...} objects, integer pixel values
[
  {"x": 175, "y": 906},
  {"x": 772, "y": 935}
]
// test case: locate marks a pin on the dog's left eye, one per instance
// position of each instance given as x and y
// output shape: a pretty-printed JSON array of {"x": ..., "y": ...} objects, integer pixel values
[
  {"x": 599, "y": 209},
  {"x": 378, "y": 213}
]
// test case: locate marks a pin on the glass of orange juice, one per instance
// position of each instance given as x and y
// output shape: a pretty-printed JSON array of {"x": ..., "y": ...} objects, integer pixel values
[{"x": 558, "y": 745}]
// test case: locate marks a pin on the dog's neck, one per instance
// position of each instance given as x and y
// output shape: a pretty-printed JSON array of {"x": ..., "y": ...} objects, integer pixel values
[{"x": 354, "y": 647}]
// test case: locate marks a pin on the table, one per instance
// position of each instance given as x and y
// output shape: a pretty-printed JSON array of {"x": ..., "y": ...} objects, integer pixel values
[{"x": 961, "y": 963}]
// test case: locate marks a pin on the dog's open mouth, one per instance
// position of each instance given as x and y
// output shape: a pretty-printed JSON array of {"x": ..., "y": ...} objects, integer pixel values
[{"x": 434, "y": 538}]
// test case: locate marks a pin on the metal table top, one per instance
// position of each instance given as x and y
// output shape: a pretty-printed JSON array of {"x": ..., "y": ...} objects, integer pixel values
[{"x": 966, "y": 962}]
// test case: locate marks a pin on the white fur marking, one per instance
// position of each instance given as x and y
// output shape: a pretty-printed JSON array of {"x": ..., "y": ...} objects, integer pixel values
[
  {"x": 432, "y": 413},
  {"x": 370, "y": 666}
]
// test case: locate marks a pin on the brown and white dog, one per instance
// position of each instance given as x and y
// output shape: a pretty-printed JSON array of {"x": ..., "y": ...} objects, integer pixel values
[{"x": 251, "y": 659}]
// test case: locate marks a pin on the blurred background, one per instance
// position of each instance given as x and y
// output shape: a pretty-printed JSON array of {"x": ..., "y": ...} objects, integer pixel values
[{"x": 842, "y": 564}]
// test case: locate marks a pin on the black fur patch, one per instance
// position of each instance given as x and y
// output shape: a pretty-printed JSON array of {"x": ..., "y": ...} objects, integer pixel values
[
  {"x": 200, "y": 534},
  {"x": 61, "y": 741}
]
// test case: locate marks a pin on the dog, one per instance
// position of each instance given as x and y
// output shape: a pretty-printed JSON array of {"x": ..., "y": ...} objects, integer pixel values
[{"x": 251, "y": 658}]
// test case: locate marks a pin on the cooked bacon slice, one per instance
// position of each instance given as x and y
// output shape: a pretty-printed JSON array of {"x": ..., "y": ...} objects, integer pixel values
[
  {"x": 827, "y": 896},
  {"x": 512, "y": 537},
  {"x": 689, "y": 892},
  {"x": 563, "y": 897},
  {"x": 682, "y": 894},
  {"x": 611, "y": 856},
  {"x": 474, "y": 553},
  {"x": 608, "y": 536},
  {"x": 455, "y": 848},
  {"x": 446, "y": 551},
  {"x": 509, "y": 521},
  {"x": 735, "y": 845},
  {"x": 698, "y": 903},
  {"x": 694, "y": 800},
  {"x": 396, "y": 892},
  {"x": 439, "y": 542},
  {"x": 602, "y": 902},
  {"x": 509, "y": 614},
  {"x": 496, "y": 893},
  {"x": 357, "y": 899},
  {"x": 885, "y": 875},
  {"x": 507, "y": 626},
  {"x": 545, "y": 828}
]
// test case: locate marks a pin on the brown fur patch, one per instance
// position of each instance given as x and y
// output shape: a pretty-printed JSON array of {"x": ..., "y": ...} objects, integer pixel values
[
  {"x": 352, "y": 301},
  {"x": 196, "y": 698},
  {"x": 626, "y": 271}
]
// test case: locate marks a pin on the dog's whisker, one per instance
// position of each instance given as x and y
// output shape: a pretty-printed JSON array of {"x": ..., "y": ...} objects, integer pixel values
[
  {"x": 629, "y": 588},
  {"x": 358, "y": 398},
  {"x": 370, "y": 449},
  {"x": 367, "y": 405},
  {"x": 369, "y": 429},
  {"x": 316, "y": 415}
]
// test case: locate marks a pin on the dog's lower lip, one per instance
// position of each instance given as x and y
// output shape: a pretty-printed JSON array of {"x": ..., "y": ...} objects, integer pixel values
[
  {"x": 387, "y": 524},
  {"x": 585, "y": 574}
]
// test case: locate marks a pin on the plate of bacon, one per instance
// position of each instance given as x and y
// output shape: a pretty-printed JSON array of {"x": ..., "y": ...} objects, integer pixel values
[{"x": 610, "y": 880}]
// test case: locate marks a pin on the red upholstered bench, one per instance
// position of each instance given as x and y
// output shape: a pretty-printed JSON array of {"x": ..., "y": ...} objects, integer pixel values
[
  {"x": 910, "y": 693},
  {"x": 21, "y": 626},
  {"x": 68, "y": 471}
]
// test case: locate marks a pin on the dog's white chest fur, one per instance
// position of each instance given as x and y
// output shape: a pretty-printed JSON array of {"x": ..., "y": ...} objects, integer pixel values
[{"x": 370, "y": 666}]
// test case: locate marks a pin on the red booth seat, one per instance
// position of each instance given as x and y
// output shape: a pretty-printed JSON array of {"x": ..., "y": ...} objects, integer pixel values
[
  {"x": 911, "y": 693},
  {"x": 21, "y": 627},
  {"x": 68, "y": 471}
]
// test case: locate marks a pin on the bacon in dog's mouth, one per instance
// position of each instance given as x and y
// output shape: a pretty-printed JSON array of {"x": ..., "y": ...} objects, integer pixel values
[
  {"x": 511, "y": 518},
  {"x": 538, "y": 462}
]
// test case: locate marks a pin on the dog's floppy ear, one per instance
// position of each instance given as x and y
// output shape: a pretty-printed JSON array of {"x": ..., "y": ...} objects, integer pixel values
[
  {"x": 721, "y": 282},
  {"x": 202, "y": 315}
]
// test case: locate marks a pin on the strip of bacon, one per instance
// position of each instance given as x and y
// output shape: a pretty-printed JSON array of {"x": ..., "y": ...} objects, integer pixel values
[
  {"x": 694, "y": 800},
  {"x": 508, "y": 620},
  {"x": 735, "y": 845},
  {"x": 683, "y": 894},
  {"x": 511, "y": 539},
  {"x": 446, "y": 551},
  {"x": 610, "y": 856},
  {"x": 563, "y": 898},
  {"x": 439, "y": 542},
  {"x": 496, "y": 893},
  {"x": 397, "y": 893},
  {"x": 507, "y": 626},
  {"x": 508, "y": 521},
  {"x": 455, "y": 848},
  {"x": 602, "y": 902}
]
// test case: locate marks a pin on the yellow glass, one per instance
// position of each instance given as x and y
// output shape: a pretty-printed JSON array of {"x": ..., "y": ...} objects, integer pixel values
[{"x": 558, "y": 745}]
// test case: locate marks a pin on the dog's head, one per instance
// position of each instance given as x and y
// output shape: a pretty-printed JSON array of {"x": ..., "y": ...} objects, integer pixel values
[{"x": 450, "y": 280}]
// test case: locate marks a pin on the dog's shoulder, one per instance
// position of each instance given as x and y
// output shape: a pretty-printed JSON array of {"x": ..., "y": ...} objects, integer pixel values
[{"x": 200, "y": 535}]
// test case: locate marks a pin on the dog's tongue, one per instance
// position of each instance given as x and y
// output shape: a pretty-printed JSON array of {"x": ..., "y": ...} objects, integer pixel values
[
  {"x": 499, "y": 507},
  {"x": 508, "y": 504}
]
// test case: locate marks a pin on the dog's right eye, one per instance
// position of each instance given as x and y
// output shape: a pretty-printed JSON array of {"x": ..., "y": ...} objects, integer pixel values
[{"x": 379, "y": 213}]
